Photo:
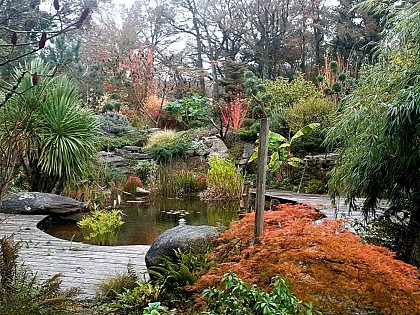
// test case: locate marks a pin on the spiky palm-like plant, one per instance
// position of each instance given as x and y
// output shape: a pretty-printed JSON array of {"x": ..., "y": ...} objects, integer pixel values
[{"x": 59, "y": 132}]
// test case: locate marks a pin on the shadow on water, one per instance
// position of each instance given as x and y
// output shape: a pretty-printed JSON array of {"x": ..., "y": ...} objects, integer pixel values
[{"x": 144, "y": 222}]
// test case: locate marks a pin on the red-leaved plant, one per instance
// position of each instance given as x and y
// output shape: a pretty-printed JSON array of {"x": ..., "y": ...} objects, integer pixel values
[
  {"x": 234, "y": 112},
  {"x": 324, "y": 262},
  {"x": 132, "y": 183}
]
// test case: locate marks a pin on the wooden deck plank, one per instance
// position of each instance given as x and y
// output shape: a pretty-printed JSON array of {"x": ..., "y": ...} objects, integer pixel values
[{"x": 81, "y": 265}]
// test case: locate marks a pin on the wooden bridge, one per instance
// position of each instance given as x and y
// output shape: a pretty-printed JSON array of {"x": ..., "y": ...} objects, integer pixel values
[{"x": 84, "y": 266}]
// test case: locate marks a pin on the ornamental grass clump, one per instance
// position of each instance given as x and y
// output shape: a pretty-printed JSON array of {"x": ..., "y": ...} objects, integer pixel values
[
  {"x": 175, "y": 183},
  {"x": 168, "y": 145},
  {"x": 224, "y": 180},
  {"x": 101, "y": 227}
]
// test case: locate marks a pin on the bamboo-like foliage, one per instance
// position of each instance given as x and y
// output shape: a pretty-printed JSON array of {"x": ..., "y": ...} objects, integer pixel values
[{"x": 378, "y": 128}]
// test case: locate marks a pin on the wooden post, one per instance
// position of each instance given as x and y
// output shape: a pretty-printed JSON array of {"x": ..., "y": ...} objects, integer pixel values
[
  {"x": 261, "y": 179},
  {"x": 245, "y": 196}
]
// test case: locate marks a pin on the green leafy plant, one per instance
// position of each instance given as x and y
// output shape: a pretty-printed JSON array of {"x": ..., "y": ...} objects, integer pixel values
[
  {"x": 187, "y": 109},
  {"x": 287, "y": 93},
  {"x": 101, "y": 227},
  {"x": 304, "y": 112},
  {"x": 181, "y": 269},
  {"x": 153, "y": 309},
  {"x": 21, "y": 293},
  {"x": 59, "y": 132},
  {"x": 238, "y": 297},
  {"x": 144, "y": 169},
  {"x": 139, "y": 296},
  {"x": 224, "y": 180},
  {"x": 280, "y": 148},
  {"x": 314, "y": 186}
]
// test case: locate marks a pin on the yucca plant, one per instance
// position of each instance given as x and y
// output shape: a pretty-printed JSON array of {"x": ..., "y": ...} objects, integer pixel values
[
  {"x": 59, "y": 131},
  {"x": 16, "y": 117}
]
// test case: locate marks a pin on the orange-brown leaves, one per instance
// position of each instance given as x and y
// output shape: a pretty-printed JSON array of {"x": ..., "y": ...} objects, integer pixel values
[{"x": 324, "y": 262}]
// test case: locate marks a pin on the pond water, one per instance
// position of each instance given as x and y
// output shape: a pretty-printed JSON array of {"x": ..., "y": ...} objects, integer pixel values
[{"x": 144, "y": 222}]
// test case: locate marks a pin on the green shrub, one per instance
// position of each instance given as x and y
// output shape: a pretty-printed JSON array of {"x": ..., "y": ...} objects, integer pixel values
[
  {"x": 314, "y": 186},
  {"x": 187, "y": 109},
  {"x": 278, "y": 119},
  {"x": 21, "y": 293},
  {"x": 167, "y": 145},
  {"x": 144, "y": 169},
  {"x": 314, "y": 109},
  {"x": 248, "y": 122},
  {"x": 224, "y": 180},
  {"x": 249, "y": 134},
  {"x": 107, "y": 143},
  {"x": 114, "y": 123},
  {"x": 101, "y": 227},
  {"x": 240, "y": 298},
  {"x": 286, "y": 94},
  {"x": 138, "y": 297}
]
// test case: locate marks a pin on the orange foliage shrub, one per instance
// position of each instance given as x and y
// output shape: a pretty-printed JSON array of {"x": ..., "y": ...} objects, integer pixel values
[
  {"x": 324, "y": 262},
  {"x": 153, "y": 105}
]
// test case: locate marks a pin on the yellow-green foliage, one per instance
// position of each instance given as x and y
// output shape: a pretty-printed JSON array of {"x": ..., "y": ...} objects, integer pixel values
[
  {"x": 162, "y": 138},
  {"x": 101, "y": 227},
  {"x": 310, "y": 110},
  {"x": 224, "y": 178},
  {"x": 286, "y": 93}
]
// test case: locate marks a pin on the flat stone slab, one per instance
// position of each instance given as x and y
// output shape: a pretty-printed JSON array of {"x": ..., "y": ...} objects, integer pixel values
[
  {"x": 82, "y": 266},
  {"x": 40, "y": 203},
  {"x": 112, "y": 159}
]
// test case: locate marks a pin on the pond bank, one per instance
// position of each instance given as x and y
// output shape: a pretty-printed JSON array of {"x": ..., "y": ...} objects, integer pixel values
[{"x": 84, "y": 266}]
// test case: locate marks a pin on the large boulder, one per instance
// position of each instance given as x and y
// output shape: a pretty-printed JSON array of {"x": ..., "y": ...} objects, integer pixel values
[
  {"x": 180, "y": 237},
  {"x": 40, "y": 203},
  {"x": 216, "y": 146}
]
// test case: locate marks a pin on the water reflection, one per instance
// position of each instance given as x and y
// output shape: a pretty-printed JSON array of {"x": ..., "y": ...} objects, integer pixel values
[{"x": 146, "y": 221}]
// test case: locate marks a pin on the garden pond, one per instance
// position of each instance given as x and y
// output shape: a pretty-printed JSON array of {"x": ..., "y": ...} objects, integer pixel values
[{"x": 145, "y": 221}]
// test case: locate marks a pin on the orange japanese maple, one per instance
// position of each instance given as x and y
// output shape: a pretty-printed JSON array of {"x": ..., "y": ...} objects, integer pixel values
[{"x": 324, "y": 262}]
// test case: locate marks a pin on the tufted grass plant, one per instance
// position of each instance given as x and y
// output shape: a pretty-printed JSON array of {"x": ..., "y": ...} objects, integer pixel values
[
  {"x": 224, "y": 180},
  {"x": 168, "y": 145},
  {"x": 175, "y": 183}
]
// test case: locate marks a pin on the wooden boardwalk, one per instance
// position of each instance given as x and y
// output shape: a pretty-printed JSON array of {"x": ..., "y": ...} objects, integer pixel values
[{"x": 84, "y": 266}]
